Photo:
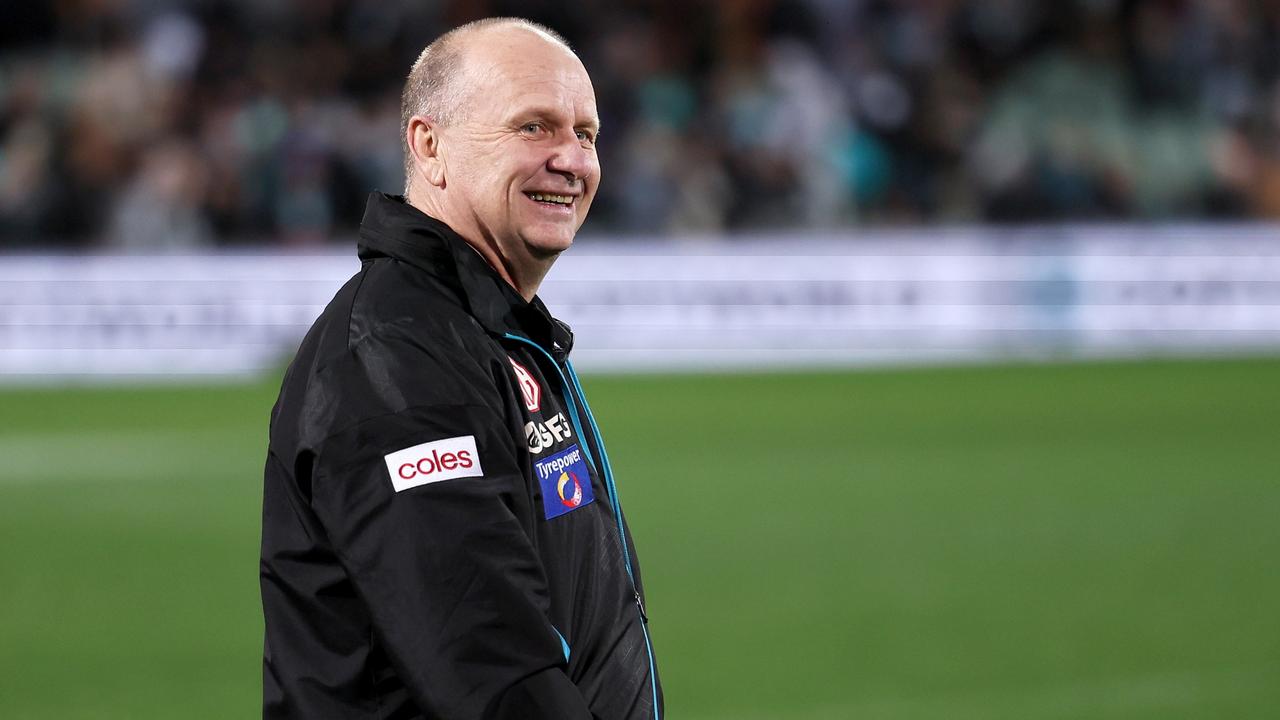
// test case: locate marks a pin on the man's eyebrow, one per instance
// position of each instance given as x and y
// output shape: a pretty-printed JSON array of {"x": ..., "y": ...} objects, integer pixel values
[{"x": 546, "y": 112}]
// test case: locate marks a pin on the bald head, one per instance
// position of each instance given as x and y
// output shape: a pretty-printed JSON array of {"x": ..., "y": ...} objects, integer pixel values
[{"x": 439, "y": 84}]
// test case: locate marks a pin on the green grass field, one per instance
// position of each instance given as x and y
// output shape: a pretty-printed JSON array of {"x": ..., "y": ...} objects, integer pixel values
[{"x": 1082, "y": 541}]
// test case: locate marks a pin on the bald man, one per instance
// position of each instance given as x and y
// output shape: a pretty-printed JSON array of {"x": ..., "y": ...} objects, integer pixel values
[{"x": 441, "y": 533}]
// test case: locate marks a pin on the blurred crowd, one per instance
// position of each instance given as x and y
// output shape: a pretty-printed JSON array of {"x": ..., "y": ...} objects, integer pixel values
[{"x": 152, "y": 124}]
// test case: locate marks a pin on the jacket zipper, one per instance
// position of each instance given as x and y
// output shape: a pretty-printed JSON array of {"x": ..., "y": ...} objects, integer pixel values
[{"x": 571, "y": 387}]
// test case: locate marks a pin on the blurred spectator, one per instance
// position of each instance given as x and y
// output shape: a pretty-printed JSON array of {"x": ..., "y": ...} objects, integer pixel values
[
  {"x": 149, "y": 124},
  {"x": 161, "y": 207}
]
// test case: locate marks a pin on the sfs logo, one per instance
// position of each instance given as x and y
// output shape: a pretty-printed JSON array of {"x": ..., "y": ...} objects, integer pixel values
[
  {"x": 434, "y": 461},
  {"x": 543, "y": 435}
]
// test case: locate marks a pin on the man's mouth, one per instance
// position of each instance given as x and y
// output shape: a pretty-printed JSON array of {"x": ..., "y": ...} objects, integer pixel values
[{"x": 551, "y": 198}]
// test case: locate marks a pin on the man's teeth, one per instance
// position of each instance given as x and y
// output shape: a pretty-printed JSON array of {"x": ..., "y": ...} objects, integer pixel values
[{"x": 559, "y": 199}]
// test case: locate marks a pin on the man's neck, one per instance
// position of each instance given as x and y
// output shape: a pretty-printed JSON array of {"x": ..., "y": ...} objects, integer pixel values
[{"x": 525, "y": 284}]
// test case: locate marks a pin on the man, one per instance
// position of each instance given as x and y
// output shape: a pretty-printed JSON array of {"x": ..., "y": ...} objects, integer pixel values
[{"x": 441, "y": 530}]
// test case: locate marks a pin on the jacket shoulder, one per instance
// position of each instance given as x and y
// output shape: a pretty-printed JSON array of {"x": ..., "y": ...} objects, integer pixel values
[{"x": 392, "y": 338}]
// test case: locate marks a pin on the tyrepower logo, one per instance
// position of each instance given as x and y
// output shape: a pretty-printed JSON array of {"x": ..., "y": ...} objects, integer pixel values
[
  {"x": 528, "y": 386},
  {"x": 434, "y": 461},
  {"x": 565, "y": 482}
]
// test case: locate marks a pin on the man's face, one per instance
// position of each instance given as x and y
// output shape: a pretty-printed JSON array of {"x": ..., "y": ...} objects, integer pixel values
[{"x": 520, "y": 162}]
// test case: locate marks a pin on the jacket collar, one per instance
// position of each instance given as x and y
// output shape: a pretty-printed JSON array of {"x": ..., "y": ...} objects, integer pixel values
[{"x": 393, "y": 228}]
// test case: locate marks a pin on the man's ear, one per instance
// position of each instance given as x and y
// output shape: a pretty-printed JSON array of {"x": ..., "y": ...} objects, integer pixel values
[{"x": 423, "y": 140}]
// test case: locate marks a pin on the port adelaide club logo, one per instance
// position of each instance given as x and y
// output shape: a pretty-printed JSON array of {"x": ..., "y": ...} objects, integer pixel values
[{"x": 528, "y": 386}]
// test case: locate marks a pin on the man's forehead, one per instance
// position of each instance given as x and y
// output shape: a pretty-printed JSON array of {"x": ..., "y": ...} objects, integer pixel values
[{"x": 537, "y": 73}]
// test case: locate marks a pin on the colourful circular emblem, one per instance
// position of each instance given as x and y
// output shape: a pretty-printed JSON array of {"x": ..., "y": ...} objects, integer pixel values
[{"x": 574, "y": 499}]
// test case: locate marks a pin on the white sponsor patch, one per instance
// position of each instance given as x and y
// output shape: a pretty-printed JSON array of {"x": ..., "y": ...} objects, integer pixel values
[{"x": 434, "y": 461}]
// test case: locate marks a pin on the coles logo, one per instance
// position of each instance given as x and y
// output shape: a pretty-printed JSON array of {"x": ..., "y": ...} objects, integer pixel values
[
  {"x": 565, "y": 482},
  {"x": 434, "y": 461},
  {"x": 528, "y": 386}
]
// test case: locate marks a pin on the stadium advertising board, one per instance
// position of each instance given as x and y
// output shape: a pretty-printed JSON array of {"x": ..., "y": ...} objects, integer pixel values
[{"x": 765, "y": 302}]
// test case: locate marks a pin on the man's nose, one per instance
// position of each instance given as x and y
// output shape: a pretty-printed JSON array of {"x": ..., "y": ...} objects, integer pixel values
[{"x": 572, "y": 160}]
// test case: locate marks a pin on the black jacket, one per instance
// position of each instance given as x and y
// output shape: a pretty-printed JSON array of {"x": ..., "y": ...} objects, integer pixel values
[{"x": 441, "y": 536}]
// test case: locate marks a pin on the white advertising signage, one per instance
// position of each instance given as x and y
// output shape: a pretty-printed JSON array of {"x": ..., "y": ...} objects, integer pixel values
[{"x": 925, "y": 296}]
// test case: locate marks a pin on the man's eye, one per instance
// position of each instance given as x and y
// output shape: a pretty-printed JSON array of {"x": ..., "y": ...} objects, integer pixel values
[
  {"x": 531, "y": 128},
  {"x": 584, "y": 136}
]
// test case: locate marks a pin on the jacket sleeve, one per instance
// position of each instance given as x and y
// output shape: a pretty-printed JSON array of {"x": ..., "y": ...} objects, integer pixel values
[{"x": 450, "y": 576}]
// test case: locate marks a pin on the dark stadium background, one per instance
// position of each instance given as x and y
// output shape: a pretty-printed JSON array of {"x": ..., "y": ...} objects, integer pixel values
[{"x": 1066, "y": 538}]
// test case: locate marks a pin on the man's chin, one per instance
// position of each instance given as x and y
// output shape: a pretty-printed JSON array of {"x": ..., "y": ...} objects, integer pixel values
[{"x": 547, "y": 246}]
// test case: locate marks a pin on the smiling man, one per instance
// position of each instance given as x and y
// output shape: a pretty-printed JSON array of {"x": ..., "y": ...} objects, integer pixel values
[{"x": 442, "y": 536}]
